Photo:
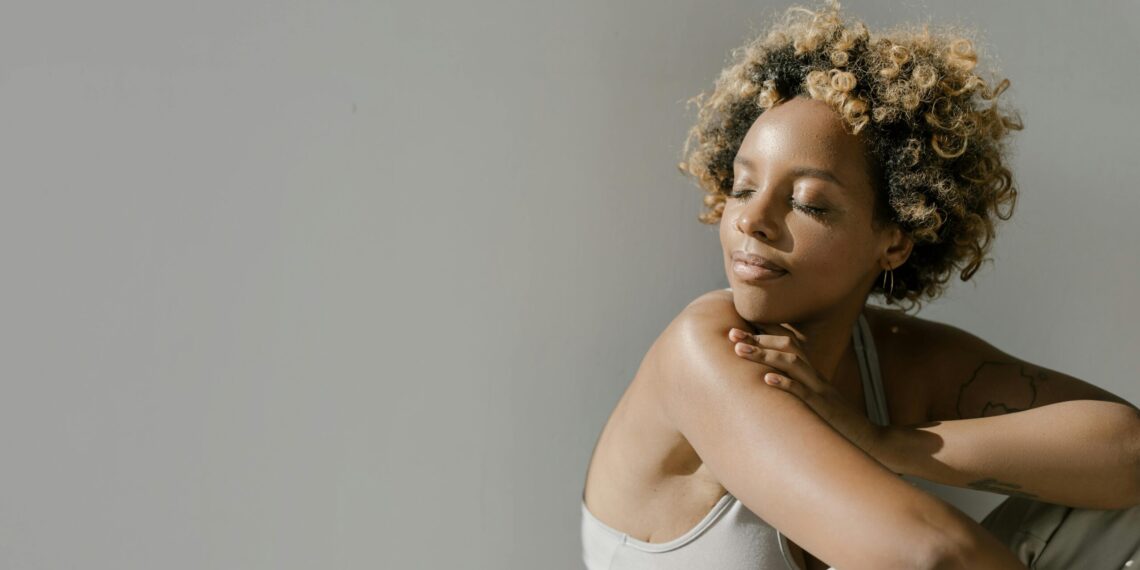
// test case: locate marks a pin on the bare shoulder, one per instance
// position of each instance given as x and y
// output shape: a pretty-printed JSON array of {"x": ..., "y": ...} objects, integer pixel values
[
  {"x": 906, "y": 338},
  {"x": 923, "y": 360},
  {"x": 931, "y": 342},
  {"x": 691, "y": 352},
  {"x": 910, "y": 351},
  {"x": 697, "y": 325},
  {"x": 714, "y": 309},
  {"x": 717, "y": 299},
  {"x": 963, "y": 376}
]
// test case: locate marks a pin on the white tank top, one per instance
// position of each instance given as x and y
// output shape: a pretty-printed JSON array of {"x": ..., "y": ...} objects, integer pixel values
[{"x": 730, "y": 537}]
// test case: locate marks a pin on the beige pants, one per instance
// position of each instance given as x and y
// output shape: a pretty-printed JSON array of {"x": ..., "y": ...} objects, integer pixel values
[{"x": 1045, "y": 536}]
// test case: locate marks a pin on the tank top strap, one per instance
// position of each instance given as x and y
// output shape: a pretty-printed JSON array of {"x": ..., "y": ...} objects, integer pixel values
[{"x": 869, "y": 371}]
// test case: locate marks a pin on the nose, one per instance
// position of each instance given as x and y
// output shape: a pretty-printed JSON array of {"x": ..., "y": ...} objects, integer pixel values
[{"x": 760, "y": 215}]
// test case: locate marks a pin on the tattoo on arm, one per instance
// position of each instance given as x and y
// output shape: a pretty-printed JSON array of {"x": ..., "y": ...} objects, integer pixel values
[
  {"x": 990, "y": 383},
  {"x": 995, "y": 486}
]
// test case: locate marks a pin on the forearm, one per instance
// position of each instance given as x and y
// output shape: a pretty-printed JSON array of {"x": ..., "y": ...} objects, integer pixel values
[{"x": 1079, "y": 453}]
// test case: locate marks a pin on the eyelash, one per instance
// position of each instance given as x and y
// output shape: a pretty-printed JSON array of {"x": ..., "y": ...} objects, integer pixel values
[{"x": 809, "y": 210}]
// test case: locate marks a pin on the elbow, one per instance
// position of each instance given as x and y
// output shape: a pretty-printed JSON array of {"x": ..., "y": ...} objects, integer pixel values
[
  {"x": 956, "y": 542},
  {"x": 935, "y": 550},
  {"x": 935, "y": 547},
  {"x": 1131, "y": 495},
  {"x": 1121, "y": 471},
  {"x": 1135, "y": 497},
  {"x": 944, "y": 554},
  {"x": 1133, "y": 491},
  {"x": 949, "y": 555},
  {"x": 953, "y": 555}
]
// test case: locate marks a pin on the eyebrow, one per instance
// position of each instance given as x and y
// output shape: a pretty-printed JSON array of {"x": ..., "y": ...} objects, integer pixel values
[{"x": 799, "y": 171}]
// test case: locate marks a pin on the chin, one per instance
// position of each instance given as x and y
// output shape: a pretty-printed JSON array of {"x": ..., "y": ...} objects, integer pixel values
[
  {"x": 756, "y": 305},
  {"x": 761, "y": 305}
]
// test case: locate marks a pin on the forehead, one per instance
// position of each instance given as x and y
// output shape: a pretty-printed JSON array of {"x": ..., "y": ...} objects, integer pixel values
[{"x": 807, "y": 133}]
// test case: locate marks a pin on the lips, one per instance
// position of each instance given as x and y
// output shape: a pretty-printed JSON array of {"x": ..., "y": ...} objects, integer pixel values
[{"x": 758, "y": 261}]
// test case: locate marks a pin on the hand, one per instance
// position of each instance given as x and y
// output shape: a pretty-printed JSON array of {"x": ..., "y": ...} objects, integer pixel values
[{"x": 797, "y": 376}]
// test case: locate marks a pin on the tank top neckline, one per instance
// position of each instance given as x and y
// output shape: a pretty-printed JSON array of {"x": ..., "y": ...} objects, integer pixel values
[{"x": 690, "y": 535}]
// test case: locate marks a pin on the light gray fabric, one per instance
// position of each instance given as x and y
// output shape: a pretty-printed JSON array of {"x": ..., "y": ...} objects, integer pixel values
[
  {"x": 873, "y": 391},
  {"x": 730, "y": 536},
  {"x": 1045, "y": 536}
]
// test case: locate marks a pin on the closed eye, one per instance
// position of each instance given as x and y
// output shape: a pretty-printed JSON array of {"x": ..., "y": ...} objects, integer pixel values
[
  {"x": 812, "y": 210},
  {"x": 808, "y": 209}
]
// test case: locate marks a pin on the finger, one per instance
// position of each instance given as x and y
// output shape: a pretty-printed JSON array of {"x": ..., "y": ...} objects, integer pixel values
[
  {"x": 748, "y": 350},
  {"x": 758, "y": 355},
  {"x": 780, "y": 342},
  {"x": 788, "y": 363},
  {"x": 789, "y": 385},
  {"x": 796, "y": 334},
  {"x": 792, "y": 364},
  {"x": 738, "y": 335},
  {"x": 784, "y": 329}
]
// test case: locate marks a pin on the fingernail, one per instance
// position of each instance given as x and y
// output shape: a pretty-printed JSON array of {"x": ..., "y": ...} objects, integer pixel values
[
  {"x": 772, "y": 379},
  {"x": 743, "y": 347}
]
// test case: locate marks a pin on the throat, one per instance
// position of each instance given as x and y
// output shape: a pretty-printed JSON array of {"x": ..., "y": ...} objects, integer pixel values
[
  {"x": 830, "y": 346},
  {"x": 846, "y": 378}
]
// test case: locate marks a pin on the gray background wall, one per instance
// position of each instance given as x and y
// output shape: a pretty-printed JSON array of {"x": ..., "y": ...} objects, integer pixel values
[{"x": 355, "y": 285}]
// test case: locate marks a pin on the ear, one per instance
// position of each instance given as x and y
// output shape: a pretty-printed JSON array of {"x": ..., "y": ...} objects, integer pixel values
[{"x": 898, "y": 247}]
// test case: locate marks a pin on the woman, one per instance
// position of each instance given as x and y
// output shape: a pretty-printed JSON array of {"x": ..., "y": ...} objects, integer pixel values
[{"x": 840, "y": 164}]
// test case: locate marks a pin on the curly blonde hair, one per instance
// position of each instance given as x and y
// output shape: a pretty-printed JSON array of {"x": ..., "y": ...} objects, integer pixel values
[{"x": 932, "y": 125}]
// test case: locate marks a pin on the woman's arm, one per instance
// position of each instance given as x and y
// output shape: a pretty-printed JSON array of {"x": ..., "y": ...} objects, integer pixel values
[
  {"x": 1008, "y": 426},
  {"x": 789, "y": 467},
  {"x": 1028, "y": 431},
  {"x": 1079, "y": 453}
]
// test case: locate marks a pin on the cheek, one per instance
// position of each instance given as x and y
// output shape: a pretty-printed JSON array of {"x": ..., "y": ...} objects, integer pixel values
[
  {"x": 832, "y": 252},
  {"x": 819, "y": 250}
]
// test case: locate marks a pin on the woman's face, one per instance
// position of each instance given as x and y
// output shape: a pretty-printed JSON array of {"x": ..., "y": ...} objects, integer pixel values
[{"x": 802, "y": 199}]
